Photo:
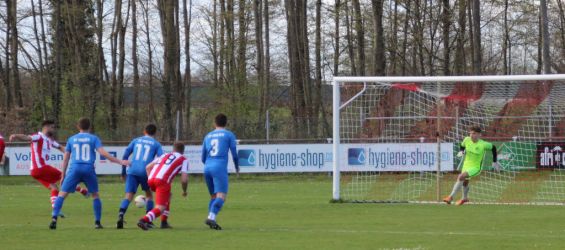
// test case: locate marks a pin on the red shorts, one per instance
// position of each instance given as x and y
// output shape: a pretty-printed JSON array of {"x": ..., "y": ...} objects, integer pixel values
[
  {"x": 162, "y": 191},
  {"x": 46, "y": 175},
  {"x": 2, "y": 147}
]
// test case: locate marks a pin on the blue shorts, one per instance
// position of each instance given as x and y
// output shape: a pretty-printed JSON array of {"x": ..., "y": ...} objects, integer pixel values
[
  {"x": 78, "y": 174},
  {"x": 216, "y": 180},
  {"x": 133, "y": 181}
]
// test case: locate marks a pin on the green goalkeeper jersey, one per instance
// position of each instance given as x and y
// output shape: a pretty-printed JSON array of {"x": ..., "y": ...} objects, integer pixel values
[{"x": 474, "y": 152}]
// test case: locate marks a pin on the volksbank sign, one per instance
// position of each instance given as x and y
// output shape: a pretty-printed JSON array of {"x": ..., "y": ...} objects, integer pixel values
[{"x": 272, "y": 158}]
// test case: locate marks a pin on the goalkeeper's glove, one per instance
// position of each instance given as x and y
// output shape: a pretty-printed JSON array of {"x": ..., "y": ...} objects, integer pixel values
[
  {"x": 496, "y": 166},
  {"x": 461, "y": 154}
]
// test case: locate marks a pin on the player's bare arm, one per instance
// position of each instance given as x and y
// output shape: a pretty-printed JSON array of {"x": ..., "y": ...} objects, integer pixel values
[
  {"x": 184, "y": 181},
  {"x": 19, "y": 137},
  {"x": 149, "y": 167},
  {"x": 111, "y": 158}
]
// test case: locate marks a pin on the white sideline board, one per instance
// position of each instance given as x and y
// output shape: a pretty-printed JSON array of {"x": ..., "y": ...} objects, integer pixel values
[{"x": 282, "y": 158}]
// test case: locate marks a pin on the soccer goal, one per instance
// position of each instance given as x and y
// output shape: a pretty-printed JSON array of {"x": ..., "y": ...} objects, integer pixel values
[{"x": 396, "y": 139}]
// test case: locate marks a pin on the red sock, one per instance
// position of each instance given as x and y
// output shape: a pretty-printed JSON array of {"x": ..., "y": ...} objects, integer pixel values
[
  {"x": 81, "y": 190},
  {"x": 54, "y": 194},
  {"x": 149, "y": 217}
]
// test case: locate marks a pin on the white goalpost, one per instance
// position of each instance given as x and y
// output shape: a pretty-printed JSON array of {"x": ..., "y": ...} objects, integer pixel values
[{"x": 395, "y": 139}]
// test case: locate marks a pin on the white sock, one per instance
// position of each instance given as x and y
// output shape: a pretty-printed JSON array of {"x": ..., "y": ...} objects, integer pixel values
[
  {"x": 465, "y": 192},
  {"x": 456, "y": 188},
  {"x": 212, "y": 216}
]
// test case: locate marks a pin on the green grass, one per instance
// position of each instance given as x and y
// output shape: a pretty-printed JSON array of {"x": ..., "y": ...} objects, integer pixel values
[{"x": 274, "y": 212}]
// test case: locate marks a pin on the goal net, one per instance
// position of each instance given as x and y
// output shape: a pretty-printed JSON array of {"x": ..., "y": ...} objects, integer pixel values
[{"x": 396, "y": 139}]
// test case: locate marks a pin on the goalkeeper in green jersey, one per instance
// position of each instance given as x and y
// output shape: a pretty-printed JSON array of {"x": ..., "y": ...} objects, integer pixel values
[{"x": 473, "y": 149}]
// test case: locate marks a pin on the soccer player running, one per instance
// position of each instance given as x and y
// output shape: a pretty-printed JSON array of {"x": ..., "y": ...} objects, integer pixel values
[
  {"x": 215, "y": 149},
  {"x": 473, "y": 148},
  {"x": 162, "y": 172},
  {"x": 41, "y": 144},
  {"x": 144, "y": 150},
  {"x": 81, "y": 152}
]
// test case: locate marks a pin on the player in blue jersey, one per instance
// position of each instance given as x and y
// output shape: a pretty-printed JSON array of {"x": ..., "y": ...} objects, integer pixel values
[
  {"x": 81, "y": 152},
  {"x": 144, "y": 150},
  {"x": 215, "y": 152}
]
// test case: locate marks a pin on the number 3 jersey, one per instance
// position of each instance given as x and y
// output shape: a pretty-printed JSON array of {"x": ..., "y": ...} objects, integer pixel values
[
  {"x": 216, "y": 147},
  {"x": 143, "y": 151},
  {"x": 168, "y": 166},
  {"x": 82, "y": 147}
]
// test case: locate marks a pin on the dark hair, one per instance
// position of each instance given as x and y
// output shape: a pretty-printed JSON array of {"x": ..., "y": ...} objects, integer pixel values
[
  {"x": 151, "y": 129},
  {"x": 178, "y": 147},
  {"x": 221, "y": 120},
  {"x": 476, "y": 129},
  {"x": 84, "y": 123},
  {"x": 47, "y": 123}
]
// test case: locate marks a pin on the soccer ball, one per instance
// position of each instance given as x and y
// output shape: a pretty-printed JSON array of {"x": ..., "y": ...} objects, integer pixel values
[{"x": 140, "y": 201}]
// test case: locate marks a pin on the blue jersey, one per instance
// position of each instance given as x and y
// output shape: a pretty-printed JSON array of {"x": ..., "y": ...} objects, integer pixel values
[
  {"x": 144, "y": 150},
  {"x": 216, "y": 147},
  {"x": 82, "y": 147}
]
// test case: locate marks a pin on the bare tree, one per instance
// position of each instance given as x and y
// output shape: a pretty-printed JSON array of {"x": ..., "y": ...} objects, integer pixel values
[
  {"x": 12, "y": 20},
  {"x": 379, "y": 51},
  {"x": 135, "y": 64},
  {"x": 477, "y": 50},
  {"x": 187, "y": 21},
  {"x": 545, "y": 37},
  {"x": 360, "y": 37}
]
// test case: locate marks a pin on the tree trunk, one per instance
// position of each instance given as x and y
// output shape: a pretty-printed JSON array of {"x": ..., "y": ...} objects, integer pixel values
[
  {"x": 446, "y": 20},
  {"x": 336, "y": 38},
  {"x": 360, "y": 36},
  {"x": 379, "y": 56},
  {"x": 12, "y": 19},
  {"x": 506, "y": 41},
  {"x": 405, "y": 39},
  {"x": 349, "y": 39},
  {"x": 460, "y": 50},
  {"x": 135, "y": 64},
  {"x": 258, "y": 17},
  {"x": 39, "y": 51},
  {"x": 545, "y": 37},
  {"x": 477, "y": 50},
  {"x": 187, "y": 19}
]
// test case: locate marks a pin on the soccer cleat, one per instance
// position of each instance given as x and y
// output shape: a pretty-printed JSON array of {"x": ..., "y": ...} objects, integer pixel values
[
  {"x": 150, "y": 225},
  {"x": 61, "y": 214},
  {"x": 212, "y": 224},
  {"x": 448, "y": 200},
  {"x": 166, "y": 225},
  {"x": 97, "y": 225},
  {"x": 462, "y": 201},
  {"x": 143, "y": 225},
  {"x": 120, "y": 224},
  {"x": 53, "y": 225}
]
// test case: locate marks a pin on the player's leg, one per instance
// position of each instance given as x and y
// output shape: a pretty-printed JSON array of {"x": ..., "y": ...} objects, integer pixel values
[
  {"x": 471, "y": 173},
  {"x": 210, "y": 185},
  {"x": 91, "y": 182},
  {"x": 465, "y": 197},
  {"x": 148, "y": 194},
  {"x": 162, "y": 195},
  {"x": 69, "y": 184},
  {"x": 130, "y": 190},
  {"x": 48, "y": 177},
  {"x": 221, "y": 191},
  {"x": 457, "y": 186},
  {"x": 83, "y": 191},
  {"x": 165, "y": 214}
]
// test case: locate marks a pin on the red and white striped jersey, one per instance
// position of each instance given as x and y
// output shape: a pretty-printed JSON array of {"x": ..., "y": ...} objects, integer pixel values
[
  {"x": 168, "y": 166},
  {"x": 41, "y": 146}
]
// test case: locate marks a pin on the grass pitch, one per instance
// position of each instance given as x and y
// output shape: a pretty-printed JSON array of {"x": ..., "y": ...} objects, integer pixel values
[{"x": 273, "y": 212}]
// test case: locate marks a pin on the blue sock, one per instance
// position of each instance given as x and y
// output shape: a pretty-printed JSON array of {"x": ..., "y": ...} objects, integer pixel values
[
  {"x": 97, "y": 205},
  {"x": 124, "y": 207},
  {"x": 217, "y": 205},
  {"x": 210, "y": 205},
  {"x": 149, "y": 206},
  {"x": 57, "y": 208}
]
